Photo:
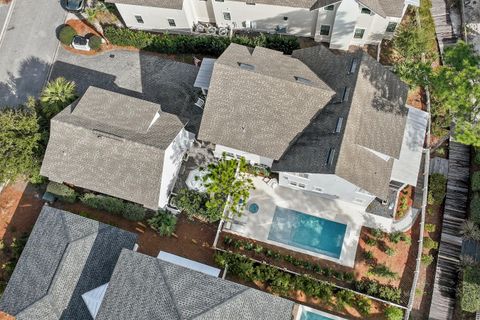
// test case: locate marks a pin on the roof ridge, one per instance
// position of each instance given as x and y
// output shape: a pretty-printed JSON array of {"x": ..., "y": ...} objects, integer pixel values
[
  {"x": 215, "y": 307},
  {"x": 167, "y": 285}
]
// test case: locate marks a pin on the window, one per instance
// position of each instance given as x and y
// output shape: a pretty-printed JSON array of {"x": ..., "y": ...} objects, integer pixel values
[
  {"x": 317, "y": 189},
  {"x": 227, "y": 16},
  {"x": 301, "y": 185},
  {"x": 139, "y": 19},
  {"x": 353, "y": 66},
  {"x": 285, "y": 18},
  {"x": 366, "y": 11},
  {"x": 338, "y": 128},
  {"x": 302, "y": 175},
  {"x": 359, "y": 33},
  {"x": 293, "y": 183},
  {"x": 324, "y": 30},
  {"x": 391, "y": 26},
  {"x": 246, "y": 66},
  {"x": 346, "y": 94},
  {"x": 219, "y": 0},
  {"x": 302, "y": 80},
  {"x": 229, "y": 154},
  {"x": 329, "y": 8},
  {"x": 172, "y": 23},
  {"x": 251, "y": 2},
  {"x": 358, "y": 200}
]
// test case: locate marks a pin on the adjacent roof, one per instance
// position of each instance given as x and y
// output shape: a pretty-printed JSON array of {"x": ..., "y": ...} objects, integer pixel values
[
  {"x": 111, "y": 143},
  {"x": 385, "y": 8},
  {"x": 371, "y": 129},
  {"x": 65, "y": 256},
  {"x": 307, "y": 4},
  {"x": 260, "y": 100},
  {"x": 168, "y": 4},
  {"x": 146, "y": 288}
]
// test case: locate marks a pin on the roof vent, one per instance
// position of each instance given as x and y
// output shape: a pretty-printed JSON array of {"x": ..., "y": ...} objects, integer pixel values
[
  {"x": 338, "y": 128},
  {"x": 331, "y": 155},
  {"x": 353, "y": 66},
  {"x": 303, "y": 80},
  {"x": 103, "y": 134},
  {"x": 246, "y": 66}
]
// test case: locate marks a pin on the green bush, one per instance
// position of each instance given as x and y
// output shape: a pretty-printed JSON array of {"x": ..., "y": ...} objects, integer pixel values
[
  {"x": 476, "y": 181},
  {"x": 378, "y": 234},
  {"x": 429, "y": 243},
  {"x": 427, "y": 259},
  {"x": 371, "y": 242},
  {"x": 430, "y": 227},
  {"x": 95, "y": 42},
  {"x": 194, "y": 204},
  {"x": 374, "y": 288},
  {"x": 382, "y": 270},
  {"x": 113, "y": 205},
  {"x": 390, "y": 252},
  {"x": 436, "y": 188},
  {"x": 62, "y": 192},
  {"x": 207, "y": 45},
  {"x": 164, "y": 223},
  {"x": 393, "y": 313},
  {"x": 395, "y": 237},
  {"x": 66, "y": 35},
  {"x": 470, "y": 289},
  {"x": 475, "y": 208},
  {"x": 368, "y": 255}
]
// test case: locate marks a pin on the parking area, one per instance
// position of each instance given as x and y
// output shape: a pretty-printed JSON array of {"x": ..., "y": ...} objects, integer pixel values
[{"x": 139, "y": 74}]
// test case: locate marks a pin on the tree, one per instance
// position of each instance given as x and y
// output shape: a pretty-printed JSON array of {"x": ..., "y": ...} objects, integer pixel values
[
  {"x": 56, "y": 95},
  {"x": 227, "y": 178},
  {"x": 19, "y": 144},
  {"x": 456, "y": 92}
]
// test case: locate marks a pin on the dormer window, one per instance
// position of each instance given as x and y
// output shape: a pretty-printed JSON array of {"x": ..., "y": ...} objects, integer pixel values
[
  {"x": 303, "y": 80},
  {"x": 353, "y": 66},
  {"x": 366, "y": 11},
  {"x": 246, "y": 66}
]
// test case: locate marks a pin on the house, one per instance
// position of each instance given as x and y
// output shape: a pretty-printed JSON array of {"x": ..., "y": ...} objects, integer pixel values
[
  {"x": 145, "y": 288},
  {"x": 65, "y": 256},
  {"x": 340, "y": 22},
  {"x": 117, "y": 145}
]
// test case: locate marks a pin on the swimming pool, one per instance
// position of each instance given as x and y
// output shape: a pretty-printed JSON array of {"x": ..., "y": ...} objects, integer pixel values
[
  {"x": 307, "y": 232},
  {"x": 307, "y": 315}
]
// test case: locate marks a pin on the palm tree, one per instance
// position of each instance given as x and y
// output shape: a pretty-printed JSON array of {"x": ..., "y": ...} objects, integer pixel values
[{"x": 56, "y": 95}]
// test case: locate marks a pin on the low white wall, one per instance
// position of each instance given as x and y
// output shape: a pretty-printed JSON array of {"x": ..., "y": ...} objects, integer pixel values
[
  {"x": 172, "y": 162},
  {"x": 234, "y": 153},
  {"x": 327, "y": 185}
]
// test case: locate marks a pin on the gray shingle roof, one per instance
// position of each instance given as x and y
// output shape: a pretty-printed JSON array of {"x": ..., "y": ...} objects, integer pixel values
[
  {"x": 168, "y": 4},
  {"x": 374, "y": 117},
  {"x": 110, "y": 143},
  {"x": 261, "y": 107},
  {"x": 66, "y": 255},
  {"x": 307, "y": 4},
  {"x": 146, "y": 288},
  {"x": 385, "y": 8}
]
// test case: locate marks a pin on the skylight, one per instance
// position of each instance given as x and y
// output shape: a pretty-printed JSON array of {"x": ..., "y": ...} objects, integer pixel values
[
  {"x": 331, "y": 155},
  {"x": 303, "y": 80},
  {"x": 338, "y": 128},
  {"x": 246, "y": 66},
  {"x": 346, "y": 93},
  {"x": 353, "y": 66}
]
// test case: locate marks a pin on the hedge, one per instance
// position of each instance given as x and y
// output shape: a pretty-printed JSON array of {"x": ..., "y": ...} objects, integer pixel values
[
  {"x": 128, "y": 210},
  {"x": 62, "y": 192},
  {"x": 470, "y": 293},
  {"x": 393, "y": 313},
  {"x": 95, "y": 42},
  {"x": 436, "y": 188},
  {"x": 66, "y": 35},
  {"x": 476, "y": 181},
  {"x": 203, "y": 44}
]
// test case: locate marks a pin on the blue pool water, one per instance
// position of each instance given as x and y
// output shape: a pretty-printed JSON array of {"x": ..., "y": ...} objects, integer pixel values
[
  {"x": 307, "y": 315},
  {"x": 307, "y": 232}
]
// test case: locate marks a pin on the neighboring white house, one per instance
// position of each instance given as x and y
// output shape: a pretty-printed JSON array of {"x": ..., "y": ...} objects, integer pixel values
[
  {"x": 335, "y": 125},
  {"x": 340, "y": 22},
  {"x": 117, "y": 145}
]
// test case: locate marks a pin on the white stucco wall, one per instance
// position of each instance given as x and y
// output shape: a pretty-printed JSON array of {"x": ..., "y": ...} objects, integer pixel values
[
  {"x": 156, "y": 18},
  {"x": 300, "y": 21},
  {"x": 250, "y": 157},
  {"x": 327, "y": 185},
  {"x": 172, "y": 162},
  {"x": 325, "y": 17}
]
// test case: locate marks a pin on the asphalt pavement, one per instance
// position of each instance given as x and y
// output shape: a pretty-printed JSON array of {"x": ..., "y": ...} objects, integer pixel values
[{"x": 27, "y": 47}]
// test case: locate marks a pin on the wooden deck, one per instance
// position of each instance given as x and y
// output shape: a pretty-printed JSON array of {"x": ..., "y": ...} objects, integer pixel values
[
  {"x": 446, "y": 273},
  {"x": 443, "y": 24}
]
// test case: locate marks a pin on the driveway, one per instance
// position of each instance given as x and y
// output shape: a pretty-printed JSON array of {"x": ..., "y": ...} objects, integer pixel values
[
  {"x": 138, "y": 74},
  {"x": 27, "y": 48}
]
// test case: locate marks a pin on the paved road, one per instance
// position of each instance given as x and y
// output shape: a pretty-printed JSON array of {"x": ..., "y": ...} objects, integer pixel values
[{"x": 27, "y": 48}]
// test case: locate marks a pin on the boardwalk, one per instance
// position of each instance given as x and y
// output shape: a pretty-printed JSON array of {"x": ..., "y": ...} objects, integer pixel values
[
  {"x": 446, "y": 274},
  {"x": 444, "y": 28}
]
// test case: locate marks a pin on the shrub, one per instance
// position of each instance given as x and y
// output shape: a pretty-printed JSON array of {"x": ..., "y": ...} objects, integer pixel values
[
  {"x": 368, "y": 255},
  {"x": 390, "y": 252},
  {"x": 95, "y": 42},
  {"x": 378, "y": 234},
  {"x": 382, "y": 271},
  {"x": 371, "y": 242},
  {"x": 427, "y": 259},
  {"x": 194, "y": 204},
  {"x": 470, "y": 289},
  {"x": 475, "y": 208},
  {"x": 395, "y": 237},
  {"x": 436, "y": 188},
  {"x": 66, "y": 35},
  {"x": 429, "y": 243},
  {"x": 164, "y": 223},
  {"x": 471, "y": 230},
  {"x": 374, "y": 288},
  {"x": 62, "y": 192},
  {"x": 430, "y": 227},
  {"x": 393, "y": 313},
  {"x": 128, "y": 210},
  {"x": 128, "y": 37},
  {"x": 407, "y": 239},
  {"x": 476, "y": 181}
]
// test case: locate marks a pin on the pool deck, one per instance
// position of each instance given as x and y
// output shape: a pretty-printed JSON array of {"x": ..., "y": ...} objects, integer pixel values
[{"x": 257, "y": 226}]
